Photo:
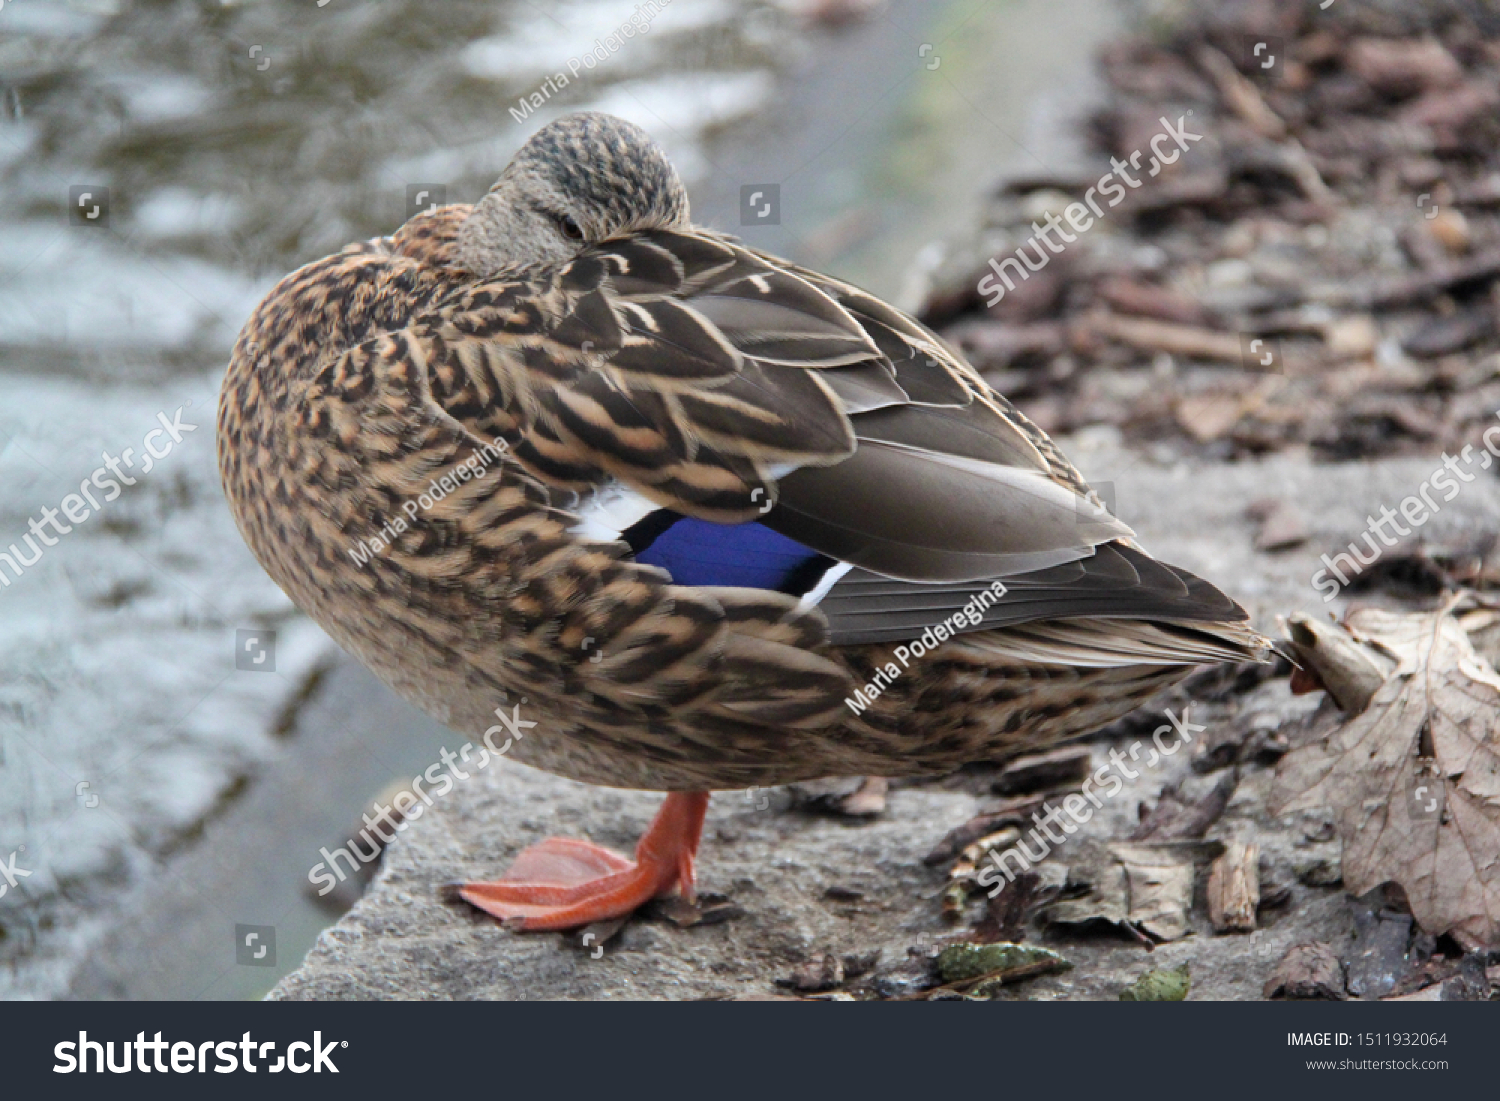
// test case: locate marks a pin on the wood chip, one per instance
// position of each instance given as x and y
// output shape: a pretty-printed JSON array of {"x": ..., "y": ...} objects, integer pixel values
[
  {"x": 1441, "y": 336},
  {"x": 1240, "y": 95},
  {"x": 1403, "y": 67},
  {"x": 1131, "y": 296},
  {"x": 1234, "y": 888},
  {"x": 706, "y": 909},
  {"x": 1150, "y": 335}
]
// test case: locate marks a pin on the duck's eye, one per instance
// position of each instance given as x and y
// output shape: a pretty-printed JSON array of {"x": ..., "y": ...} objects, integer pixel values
[{"x": 570, "y": 229}]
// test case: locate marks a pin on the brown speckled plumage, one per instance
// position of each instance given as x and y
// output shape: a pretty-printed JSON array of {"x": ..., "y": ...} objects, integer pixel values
[{"x": 698, "y": 373}]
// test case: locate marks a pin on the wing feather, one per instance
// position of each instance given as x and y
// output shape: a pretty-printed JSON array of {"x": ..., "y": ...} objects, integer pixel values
[{"x": 719, "y": 381}]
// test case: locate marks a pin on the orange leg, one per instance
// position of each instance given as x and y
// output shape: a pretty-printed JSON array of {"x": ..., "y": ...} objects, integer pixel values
[{"x": 562, "y": 884}]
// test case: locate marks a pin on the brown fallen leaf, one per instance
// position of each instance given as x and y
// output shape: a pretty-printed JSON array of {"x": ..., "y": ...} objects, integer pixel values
[
  {"x": 1143, "y": 887},
  {"x": 1348, "y": 669},
  {"x": 1006, "y": 914},
  {"x": 1175, "y": 819},
  {"x": 1138, "y": 299},
  {"x": 1206, "y": 417},
  {"x": 1148, "y": 335},
  {"x": 1414, "y": 779},
  {"x": 1240, "y": 94}
]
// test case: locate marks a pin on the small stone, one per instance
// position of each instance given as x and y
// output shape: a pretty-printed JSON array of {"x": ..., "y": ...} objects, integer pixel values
[
  {"x": 1321, "y": 871},
  {"x": 819, "y": 974},
  {"x": 1353, "y": 337},
  {"x": 1451, "y": 230},
  {"x": 1307, "y": 971},
  {"x": 1281, "y": 528}
]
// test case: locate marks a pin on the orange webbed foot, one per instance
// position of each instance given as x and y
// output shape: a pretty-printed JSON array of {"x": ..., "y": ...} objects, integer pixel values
[{"x": 563, "y": 884}]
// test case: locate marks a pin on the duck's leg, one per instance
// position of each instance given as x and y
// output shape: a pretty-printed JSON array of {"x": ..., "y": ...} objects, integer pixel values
[{"x": 562, "y": 884}]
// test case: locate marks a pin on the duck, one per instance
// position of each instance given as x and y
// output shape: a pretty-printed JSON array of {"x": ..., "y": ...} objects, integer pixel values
[{"x": 702, "y": 518}]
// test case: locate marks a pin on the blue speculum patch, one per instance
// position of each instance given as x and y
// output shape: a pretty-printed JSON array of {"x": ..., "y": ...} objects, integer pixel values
[{"x": 752, "y": 556}]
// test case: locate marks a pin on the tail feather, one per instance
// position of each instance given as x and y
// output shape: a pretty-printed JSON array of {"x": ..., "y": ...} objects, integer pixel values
[{"x": 1106, "y": 643}]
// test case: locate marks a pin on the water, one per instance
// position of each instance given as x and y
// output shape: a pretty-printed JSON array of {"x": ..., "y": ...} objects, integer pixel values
[{"x": 158, "y": 794}]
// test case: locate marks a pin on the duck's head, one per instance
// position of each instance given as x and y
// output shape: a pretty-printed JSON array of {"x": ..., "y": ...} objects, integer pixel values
[{"x": 579, "y": 180}]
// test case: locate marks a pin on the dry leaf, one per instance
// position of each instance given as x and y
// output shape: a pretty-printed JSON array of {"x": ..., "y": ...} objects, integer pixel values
[
  {"x": 1143, "y": 885},
  {"x": 1414, "y": 779},
  {"x": 1339, "y": 661},
  {"x": 1174, "y": 819}
]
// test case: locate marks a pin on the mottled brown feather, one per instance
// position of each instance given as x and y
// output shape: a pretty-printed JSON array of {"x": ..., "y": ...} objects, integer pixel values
[{"x": 366, "y": 377}]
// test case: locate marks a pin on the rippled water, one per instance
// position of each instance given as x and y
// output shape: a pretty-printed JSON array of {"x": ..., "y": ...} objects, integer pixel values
[{"x": 239, "y": 140}]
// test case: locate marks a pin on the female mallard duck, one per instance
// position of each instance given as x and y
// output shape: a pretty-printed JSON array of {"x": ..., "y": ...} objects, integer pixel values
[{"x": 724, "y": 521}]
